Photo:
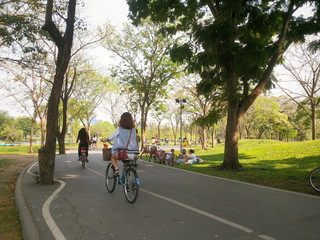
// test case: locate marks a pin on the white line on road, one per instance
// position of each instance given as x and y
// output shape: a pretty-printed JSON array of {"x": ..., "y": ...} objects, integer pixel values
[
  {"x": 266, "y": 237},
  {"x": 245, "y": 229},
  {"x": 46, "y": 212},
  {"x": 47, "y": 216},
  {"x": 29, "y": 169},
  {"x": 94, "y": 171}
]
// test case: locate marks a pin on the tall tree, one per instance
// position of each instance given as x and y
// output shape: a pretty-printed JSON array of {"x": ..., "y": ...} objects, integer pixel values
[
  {"x": 89, "y": 91},
  {"x": 64, "y": 44},
  {"x": 229, "y": 48},
  {"x": 173, "y": 117},
  {"x": 30, "y": 90},
  {"x": 304, "y": 70},
  {"x": 145, "y": 66},
  {"x": 206, "y": 109}
]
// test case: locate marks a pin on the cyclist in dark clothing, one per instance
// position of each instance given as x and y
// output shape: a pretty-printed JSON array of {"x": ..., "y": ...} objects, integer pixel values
[{"x": 83, "y": 137}]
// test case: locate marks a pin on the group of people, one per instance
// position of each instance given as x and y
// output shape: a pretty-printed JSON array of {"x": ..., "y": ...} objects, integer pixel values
[
  {"x": 183, "y": 157},
  {"x": 125, "y": 136}
]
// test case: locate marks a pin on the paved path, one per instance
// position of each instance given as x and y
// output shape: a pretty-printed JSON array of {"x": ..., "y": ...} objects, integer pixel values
[{"x": 172, "y": 204}]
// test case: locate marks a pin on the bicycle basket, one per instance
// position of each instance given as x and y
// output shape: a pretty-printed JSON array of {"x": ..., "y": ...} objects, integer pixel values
[{"x": 106, "y": 153}]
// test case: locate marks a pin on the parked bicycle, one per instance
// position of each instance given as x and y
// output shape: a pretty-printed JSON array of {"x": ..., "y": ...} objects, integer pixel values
[
  {"x": 152, "y": 154},
  {"x": 128, "y": 179},
  {"x": 314, "y": 179},
  {"x": 83, "y": 157},
  {"x": 165, "y": 158}
]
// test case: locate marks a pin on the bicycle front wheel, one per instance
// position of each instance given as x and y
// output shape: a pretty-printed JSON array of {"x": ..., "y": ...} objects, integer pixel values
[
  {"x": 110, "y": 179},
  {"x": 131, "y": 186},
  {"x": 314, "y": 179}
]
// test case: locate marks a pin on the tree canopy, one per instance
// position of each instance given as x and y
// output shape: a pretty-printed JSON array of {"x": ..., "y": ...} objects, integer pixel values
[
  {"x": 232, "y": 44},
  {"x": 145, "y": 66}
]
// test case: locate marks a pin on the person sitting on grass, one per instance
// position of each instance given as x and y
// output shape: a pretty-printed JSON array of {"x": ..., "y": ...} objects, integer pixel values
[
  {"x": 170, "y": 154},
  {"x": 183, "y": 154},
  {"x": 190, "y": 159}
]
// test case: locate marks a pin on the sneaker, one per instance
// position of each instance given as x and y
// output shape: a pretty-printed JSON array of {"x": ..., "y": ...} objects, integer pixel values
[{"x": 116, "y": 173}]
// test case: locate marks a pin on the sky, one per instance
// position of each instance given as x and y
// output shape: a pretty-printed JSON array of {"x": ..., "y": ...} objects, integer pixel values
[{"x": 99, "y": 11}]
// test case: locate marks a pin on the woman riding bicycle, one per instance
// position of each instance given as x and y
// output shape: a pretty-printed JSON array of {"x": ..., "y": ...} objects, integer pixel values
[
  {"x": 125, "y": 130},
  {"x": 83, "y": 137}
]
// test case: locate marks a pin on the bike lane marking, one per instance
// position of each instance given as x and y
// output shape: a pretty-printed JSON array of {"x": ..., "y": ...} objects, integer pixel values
[
  {"x": 198, "y": 211},
  {"x": 57, "y": 234},
  {"x": 219, "y": 219},
  {"x": 47, "y": 216}
]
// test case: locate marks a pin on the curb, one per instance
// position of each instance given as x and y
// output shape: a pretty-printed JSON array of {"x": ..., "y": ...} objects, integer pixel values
[{"x": 29, "y": 230}]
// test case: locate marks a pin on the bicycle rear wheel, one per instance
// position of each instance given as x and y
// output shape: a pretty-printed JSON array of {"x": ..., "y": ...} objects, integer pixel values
[
  {"x": 131, "y": 186},
  {"x": 314, "y": 179},
  {"x": 110, "y": 179},
  {"x": 83, "y": 160},
  {"x": 170, "y": 161},
  {"x": 151, "y": 158}
]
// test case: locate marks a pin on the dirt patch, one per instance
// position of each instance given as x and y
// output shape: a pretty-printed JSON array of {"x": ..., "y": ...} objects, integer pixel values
[{"x": 9, "y": 171}]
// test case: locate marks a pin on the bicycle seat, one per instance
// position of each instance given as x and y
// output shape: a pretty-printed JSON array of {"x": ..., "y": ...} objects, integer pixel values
[{"x": 129, "y": 162}]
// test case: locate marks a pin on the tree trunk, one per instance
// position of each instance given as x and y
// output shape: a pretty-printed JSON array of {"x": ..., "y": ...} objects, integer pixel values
[
  {"x": 61, "y": 135},
  {"x": 31, "y": 135},
  {"x": 62, "y": 145},
  {"x": 247, "y": 131},
  {"x": 43, "y": 132},
  {"x": 313, "y": 121},
  {"x": 204, "y": 139},
  {"x": 213, "y": 134},
  {"x": 231, "y": 160},
  {"x": 47, "y": 154},
  {"x": 144, "y": 114},
  {"x": 159, "y": 123}
]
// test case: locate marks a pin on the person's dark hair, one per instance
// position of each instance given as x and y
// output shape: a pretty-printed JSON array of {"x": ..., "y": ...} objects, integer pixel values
[
  {"x": 126, "y": 121},
  {"x": 191, "y": 151},
  {"x": 83, "y": 135}
]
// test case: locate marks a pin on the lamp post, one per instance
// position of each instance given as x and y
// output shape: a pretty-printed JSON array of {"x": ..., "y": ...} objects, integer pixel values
[{"x": 181, "y": 102}]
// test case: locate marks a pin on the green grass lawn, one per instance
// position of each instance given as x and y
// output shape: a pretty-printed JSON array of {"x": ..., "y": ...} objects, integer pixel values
[
  {"x": 266, "y": 162},
  {"x": 21, "y": 149}
]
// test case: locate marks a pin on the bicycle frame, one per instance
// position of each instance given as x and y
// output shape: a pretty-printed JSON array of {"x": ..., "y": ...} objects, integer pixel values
[{"x": 122, "y": 180}]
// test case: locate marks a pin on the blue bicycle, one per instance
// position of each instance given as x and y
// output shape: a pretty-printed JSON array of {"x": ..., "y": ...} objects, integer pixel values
[{"x": 128, "y": 179}]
